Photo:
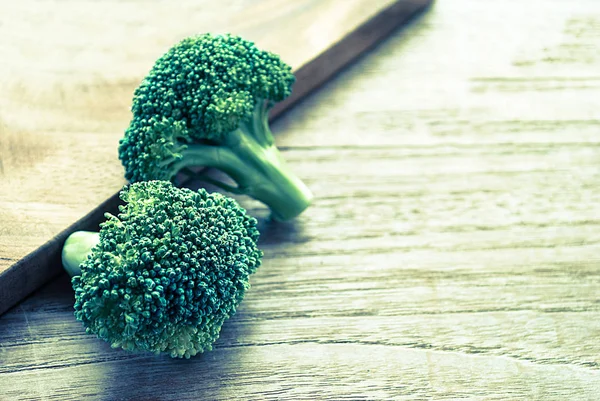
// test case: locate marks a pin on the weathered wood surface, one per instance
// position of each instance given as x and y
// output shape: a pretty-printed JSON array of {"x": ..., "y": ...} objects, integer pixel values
[
  {"x": 451, "y": 252},
  {"x": 65, "y": 109}
]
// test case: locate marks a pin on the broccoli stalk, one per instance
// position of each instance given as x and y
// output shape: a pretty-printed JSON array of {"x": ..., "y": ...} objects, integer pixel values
[
  {"x": 205, "y": 103},
  {"x": 76, "y": 250},
  {"x": 165, "y": 274},
  {"x": 249, "y": 156}
]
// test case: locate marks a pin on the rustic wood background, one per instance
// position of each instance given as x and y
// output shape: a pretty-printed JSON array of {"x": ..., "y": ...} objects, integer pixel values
[
  {"x": 452, "y": 251},
  {"x": 62, "y": 96}
]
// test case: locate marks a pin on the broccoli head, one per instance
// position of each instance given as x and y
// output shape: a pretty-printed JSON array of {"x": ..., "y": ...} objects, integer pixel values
[
  {"x": 205, "y": 103},
  {"x": 166, "y": 273}
]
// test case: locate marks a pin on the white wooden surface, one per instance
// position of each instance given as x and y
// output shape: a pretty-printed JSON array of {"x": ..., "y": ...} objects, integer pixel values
[{"x": 452, "y": 251}]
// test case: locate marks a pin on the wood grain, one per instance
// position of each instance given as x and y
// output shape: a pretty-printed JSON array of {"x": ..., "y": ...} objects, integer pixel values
[
  {"x": 68, "y": 108},
  {"x": 451, "y": 252}
]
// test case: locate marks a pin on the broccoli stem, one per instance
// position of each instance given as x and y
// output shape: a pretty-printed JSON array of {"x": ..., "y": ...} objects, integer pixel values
[
  {"x": 249, "y": 156},
  {"x": 268, "y": 178},
  {"x": 76, "y": 250}
]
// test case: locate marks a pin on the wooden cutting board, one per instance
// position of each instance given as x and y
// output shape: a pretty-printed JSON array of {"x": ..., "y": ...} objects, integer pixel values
[{"x": 67, "y": 73}]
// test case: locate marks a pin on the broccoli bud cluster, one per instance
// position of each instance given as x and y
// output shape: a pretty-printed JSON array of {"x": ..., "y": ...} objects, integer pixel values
[
  {"x": 206, "y": 86},
  {"x": 168, "y": 270},
  {"x": 205, "y": 103}
]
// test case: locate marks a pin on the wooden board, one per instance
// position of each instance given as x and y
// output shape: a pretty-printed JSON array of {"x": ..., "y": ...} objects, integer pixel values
[
  {"x": 452, "y": 251},
  {"x": 65, "y": 110}
]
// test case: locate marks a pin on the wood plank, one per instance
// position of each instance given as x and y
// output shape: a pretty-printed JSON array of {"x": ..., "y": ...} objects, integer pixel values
[
  {"x": 451, "y": 252},
  {"x": 416, "y": 356},
  {"x": 66, "y": 113}
]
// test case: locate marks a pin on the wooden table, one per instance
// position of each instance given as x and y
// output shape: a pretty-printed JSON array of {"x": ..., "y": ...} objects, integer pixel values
[{"x": 452, "y": 252}]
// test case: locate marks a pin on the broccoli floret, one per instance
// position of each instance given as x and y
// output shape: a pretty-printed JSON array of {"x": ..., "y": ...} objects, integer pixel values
[
  {"x": 166, "y": 273},
  {"x": 205, "y": 103}
]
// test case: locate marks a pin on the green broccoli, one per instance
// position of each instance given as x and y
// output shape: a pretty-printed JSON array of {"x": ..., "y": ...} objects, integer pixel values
[
  {"x": 166, "y": 273},
  {"x": 205, "y": 103}
]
